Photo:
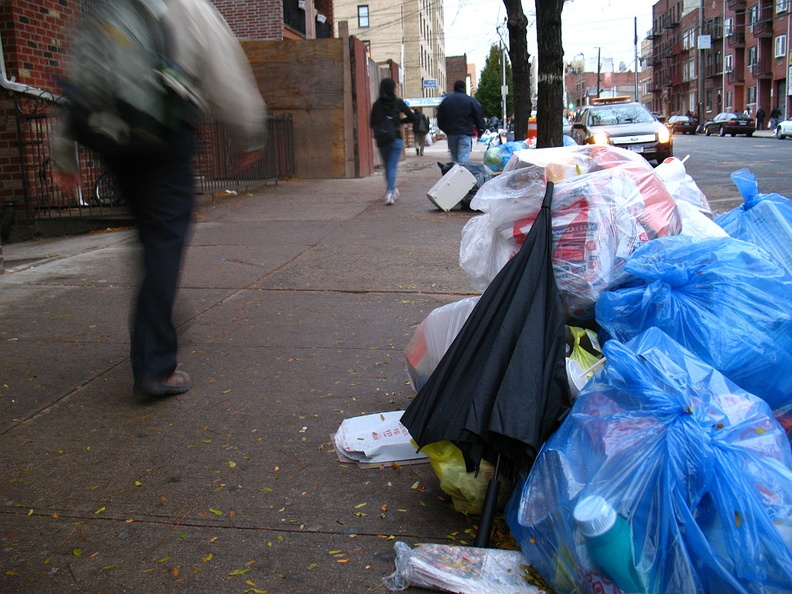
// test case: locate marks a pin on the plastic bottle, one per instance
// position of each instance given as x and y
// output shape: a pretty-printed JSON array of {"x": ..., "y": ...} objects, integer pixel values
[{"x": 609, "y": 542}]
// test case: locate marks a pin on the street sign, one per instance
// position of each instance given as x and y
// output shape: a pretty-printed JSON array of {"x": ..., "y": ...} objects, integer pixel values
[
  {"x": 424, "y": 101},
  {"x": 430, "y": 83}
]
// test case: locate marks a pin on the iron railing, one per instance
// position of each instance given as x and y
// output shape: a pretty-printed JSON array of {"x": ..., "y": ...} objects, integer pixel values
[{"x": 216, "y": 164}]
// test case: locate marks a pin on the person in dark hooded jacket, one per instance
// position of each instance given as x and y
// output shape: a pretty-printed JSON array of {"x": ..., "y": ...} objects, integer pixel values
[
  {"x": 386, "y": 121},
  {"x": 461, "y": 117}
]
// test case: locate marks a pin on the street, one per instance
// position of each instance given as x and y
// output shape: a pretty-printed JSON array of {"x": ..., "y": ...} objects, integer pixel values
[{"x": 712, "y": 159}]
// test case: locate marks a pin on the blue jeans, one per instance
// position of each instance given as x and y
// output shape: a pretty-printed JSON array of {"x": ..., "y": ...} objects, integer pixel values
[
  {"x": 391, "y": 153},
  {"x": 460, "y": 145}
]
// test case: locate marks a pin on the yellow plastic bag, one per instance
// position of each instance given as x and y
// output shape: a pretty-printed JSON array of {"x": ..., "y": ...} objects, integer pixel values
[
  {"x": 467, "y": 490},
  {"x": 585, "y": 347}
]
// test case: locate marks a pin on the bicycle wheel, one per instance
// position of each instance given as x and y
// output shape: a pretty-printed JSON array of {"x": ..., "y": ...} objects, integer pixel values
[{"x": 106, "y": 190}]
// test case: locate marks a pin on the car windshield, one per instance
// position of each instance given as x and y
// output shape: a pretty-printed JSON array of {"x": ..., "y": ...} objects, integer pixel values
[{"x": 620, "y": 114}]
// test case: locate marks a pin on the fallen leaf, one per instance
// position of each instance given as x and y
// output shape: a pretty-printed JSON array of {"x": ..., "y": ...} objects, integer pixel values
[
  {"x": 216, "y": 512},
  {"x": 239, "y": 571}
]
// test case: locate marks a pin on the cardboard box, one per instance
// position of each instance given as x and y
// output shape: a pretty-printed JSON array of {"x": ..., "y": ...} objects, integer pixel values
[{"x": 451, "y": 188}]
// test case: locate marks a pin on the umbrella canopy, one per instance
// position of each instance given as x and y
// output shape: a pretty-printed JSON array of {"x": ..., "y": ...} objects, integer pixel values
[{"x": 500, "y": 390}]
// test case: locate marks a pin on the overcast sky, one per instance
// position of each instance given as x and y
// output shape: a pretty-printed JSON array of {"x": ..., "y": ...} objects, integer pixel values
[{"x": 471, "y": 27}]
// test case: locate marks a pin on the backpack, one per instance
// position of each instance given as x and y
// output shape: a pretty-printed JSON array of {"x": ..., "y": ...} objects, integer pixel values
[
  {"x": 422, "y": 126},
  {"x": 125, "y": 96},
  {"x": 385, "y": 130}
]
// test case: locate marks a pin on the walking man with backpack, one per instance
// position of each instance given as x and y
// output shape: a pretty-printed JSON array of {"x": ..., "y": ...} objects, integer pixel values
[
  {"x": 420, "y": 130},
  {"x": 205, "y": 69}
]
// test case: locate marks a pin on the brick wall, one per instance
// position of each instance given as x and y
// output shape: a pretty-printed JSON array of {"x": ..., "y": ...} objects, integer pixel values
[
  {"x": 34, "y": 48},
  {"x": 254, "y": 19}
]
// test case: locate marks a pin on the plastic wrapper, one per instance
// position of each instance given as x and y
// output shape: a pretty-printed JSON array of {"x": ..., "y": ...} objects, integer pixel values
[
  {"x": 724, "y": 299},
  {"x": 432, "y": 338},
  {"x": 762, "y": 219},
  {"x": 467, "y": 489},
  {"x": 598, "y": 220},
  {"x": 467, "y": 570},
  {"x": 696, "y": 469}
]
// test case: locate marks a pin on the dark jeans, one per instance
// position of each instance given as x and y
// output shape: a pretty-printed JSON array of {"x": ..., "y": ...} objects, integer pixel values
[{"x": 161, "y": 192}]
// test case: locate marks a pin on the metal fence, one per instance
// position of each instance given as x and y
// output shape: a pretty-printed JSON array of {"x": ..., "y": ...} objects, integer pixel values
[{"x": 216, "y": 165}]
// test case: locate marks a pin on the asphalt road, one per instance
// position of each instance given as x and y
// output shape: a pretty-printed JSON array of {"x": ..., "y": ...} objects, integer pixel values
[{"x": 712, "y": 159}]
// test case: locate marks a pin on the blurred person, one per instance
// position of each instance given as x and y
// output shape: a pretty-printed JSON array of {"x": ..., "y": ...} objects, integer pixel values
[
  {"x": 461, "y": 117},
  {"x": 160, "y": 186},
  {"x": 420, "y": 130},
  {"x": 775, "y": 117},
  {"x": 386, "y": 120}
]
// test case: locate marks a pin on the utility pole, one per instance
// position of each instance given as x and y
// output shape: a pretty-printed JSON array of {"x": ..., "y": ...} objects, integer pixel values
[
  {"x": 504, "y": 86},
  {"x": 700, "y": 68},
  {"x": 599, "y": 66},
  {"x": 635, "y": 26}
]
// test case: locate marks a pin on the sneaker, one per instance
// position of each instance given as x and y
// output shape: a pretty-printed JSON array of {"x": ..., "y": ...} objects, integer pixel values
[
  {"x": 177, "y": 383},
  {"x": 417, "y": 153},
  {"x": 395, "y": 194},
  {"x": 389, "y": 197}
]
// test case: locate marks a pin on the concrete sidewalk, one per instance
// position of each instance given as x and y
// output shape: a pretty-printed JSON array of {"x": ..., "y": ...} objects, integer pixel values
[{"x": 295, "y": 306}]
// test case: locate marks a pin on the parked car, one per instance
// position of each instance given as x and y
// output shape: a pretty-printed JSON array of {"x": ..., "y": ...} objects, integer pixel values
[
  {"x": 682, "y": 124},
  {"x": 729, "y": 122},
  {"x": 623, "y": 123},
  {"x": 784, "y": 129}
]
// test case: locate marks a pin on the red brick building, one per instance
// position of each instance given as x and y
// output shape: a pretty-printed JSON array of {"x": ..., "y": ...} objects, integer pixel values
[{"x": 745, "y": 63}]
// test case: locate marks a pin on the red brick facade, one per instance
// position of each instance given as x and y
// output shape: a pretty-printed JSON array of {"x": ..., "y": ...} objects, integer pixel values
[
  {"x": 255, "y": 19},
  {"x": 35, "y": 42}
]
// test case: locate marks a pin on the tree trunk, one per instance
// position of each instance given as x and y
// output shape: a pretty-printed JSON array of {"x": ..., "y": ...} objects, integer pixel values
[
  {"x": 550, "y": 86},
  {"x": 517, "y": 24}
]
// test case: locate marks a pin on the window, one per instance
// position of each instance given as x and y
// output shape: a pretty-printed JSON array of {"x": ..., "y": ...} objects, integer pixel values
[
  {"x": 690, "y": 70},
  {"x": 728, "y": 26},
  {"x": 780, "y": 46},
  {"x": 753, "y": 15},
  {"x": 781, "y": 5},
  {"x": 751, "y": 95},
  {"x": 689, "y": 39},
  {"x": 363, "y": 16},
  {"x": 753, "y": 56},
  {"x": 709, "y": 100},
  {"x": 728, "y": 65},
  {"x": 729, "y": 100}
]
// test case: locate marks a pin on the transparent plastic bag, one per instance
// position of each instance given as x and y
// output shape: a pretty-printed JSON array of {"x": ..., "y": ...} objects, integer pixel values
[
  {"x": 763, "y": 219},
  {"x": 467, "y": 570},
  {"x": 598, "y": 220},
  {"x": 432, "y": 338},
  {"x": 697, "y": 468},
  {"x": 724, "y": 299}
]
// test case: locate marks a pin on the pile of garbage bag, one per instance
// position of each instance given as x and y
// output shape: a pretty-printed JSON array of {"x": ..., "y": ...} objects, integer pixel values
[
  {"x": 665, "y": 477},
  {"x": 673, "y": 471}
]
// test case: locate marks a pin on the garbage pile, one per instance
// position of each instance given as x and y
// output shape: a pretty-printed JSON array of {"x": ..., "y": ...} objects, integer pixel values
[{"x": 673, "y": 471}]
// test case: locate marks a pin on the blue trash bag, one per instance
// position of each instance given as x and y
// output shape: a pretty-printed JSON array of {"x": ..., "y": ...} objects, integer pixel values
[
  {"x": 724, "y": 299},
  {"x": 763, "y": 219},
  {"x": 694, "y": 470}
]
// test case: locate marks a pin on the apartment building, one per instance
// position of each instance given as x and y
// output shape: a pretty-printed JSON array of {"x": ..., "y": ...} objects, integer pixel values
[
  {"x": 720, "y": 55},
  {"x": 409, "y": 33}
]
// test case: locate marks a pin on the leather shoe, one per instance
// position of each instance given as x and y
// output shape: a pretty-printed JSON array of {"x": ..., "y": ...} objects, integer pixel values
[{"x": 177, "y": 383}]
